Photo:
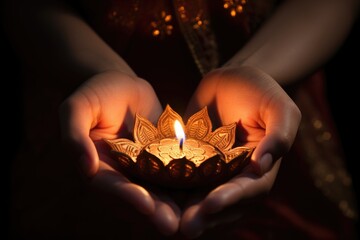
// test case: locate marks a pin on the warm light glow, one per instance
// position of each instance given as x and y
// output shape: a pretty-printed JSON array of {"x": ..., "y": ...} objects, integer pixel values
[
  {"x": 239, "y": 9},
  {"x": 179, "y": 132},
  {"x": 161, "y": 155},
  {"x": 167, "y": 18},
  {"x": 156, "y": 32}
]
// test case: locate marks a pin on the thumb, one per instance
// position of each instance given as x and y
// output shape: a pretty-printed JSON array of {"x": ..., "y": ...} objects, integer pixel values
[
  {"x": 281, "y": 129},
  {"x": 76, "y": 119}
]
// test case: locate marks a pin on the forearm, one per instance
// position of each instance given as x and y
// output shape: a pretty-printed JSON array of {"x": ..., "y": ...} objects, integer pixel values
[
  {"x": 300, "y": 37},
  {"x": 49, "y": 34}
]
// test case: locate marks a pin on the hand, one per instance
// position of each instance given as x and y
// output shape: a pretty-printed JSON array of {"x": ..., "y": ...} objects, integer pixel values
[
  {"x": 267, "y": 118},
  {"x": 104, "y": 107}
]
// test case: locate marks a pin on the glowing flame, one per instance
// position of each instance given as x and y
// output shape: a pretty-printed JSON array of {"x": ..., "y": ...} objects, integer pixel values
[{"x": 180, "y": 134}]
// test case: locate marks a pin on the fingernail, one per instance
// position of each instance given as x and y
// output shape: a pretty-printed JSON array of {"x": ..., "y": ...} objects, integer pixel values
[{"x": 265, "y": 163}]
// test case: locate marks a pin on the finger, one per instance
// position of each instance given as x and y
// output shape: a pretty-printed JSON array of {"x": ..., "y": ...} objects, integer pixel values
[
  {"x": 165, "y": 218},
  {"x": 194, "y": 222},
  {"x": 76, "y": 119},
  {"x": 167, "y": 214},
  {"x": 281, "y": 129},
  {"x": 241, "y": 187},
  {"x": 114, "y": 183}
]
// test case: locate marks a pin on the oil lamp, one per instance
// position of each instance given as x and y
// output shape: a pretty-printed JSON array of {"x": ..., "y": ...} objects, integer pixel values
[{"x": 180, "y": 156}]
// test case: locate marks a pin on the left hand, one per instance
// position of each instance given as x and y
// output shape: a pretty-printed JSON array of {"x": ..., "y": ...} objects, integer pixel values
[{"x": 267, "y": 118}]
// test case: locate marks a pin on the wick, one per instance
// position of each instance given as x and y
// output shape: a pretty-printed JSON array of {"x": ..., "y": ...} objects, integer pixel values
[{"x": 181, "y": 144}]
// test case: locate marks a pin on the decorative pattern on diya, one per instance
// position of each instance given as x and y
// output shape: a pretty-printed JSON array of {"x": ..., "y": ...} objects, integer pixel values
[{"x": 169, "y": 156}]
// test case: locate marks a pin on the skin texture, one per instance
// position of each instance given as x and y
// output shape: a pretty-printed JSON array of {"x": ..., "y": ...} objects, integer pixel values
[
  {"x": 104, "y": 94},
  {"x": 267, "y": 118},
  {"x": 89, "y": 109}
]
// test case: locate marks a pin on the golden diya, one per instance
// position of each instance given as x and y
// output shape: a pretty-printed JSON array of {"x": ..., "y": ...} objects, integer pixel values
[{"x": 180, "y": 156}]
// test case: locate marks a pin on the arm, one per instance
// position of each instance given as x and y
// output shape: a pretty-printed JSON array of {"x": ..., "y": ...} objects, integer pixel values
[
  {"x": 301, "y": 36},
  {"x": 51, "y": 30}
]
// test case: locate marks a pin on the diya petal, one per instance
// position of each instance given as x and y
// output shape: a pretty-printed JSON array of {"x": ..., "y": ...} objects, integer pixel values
[{"x": 207, "y": 158}]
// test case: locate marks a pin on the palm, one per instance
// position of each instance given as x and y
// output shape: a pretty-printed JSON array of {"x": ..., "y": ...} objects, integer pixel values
[
  {"x": 267, "y": 118},
  {"x": 253, "y": 100},
  {"x": 104, "y": 107}
]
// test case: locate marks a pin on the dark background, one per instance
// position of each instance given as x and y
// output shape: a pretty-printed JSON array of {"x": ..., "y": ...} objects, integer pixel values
[
  {"x": 343, "y": 91},
  {"x": 342, "y": 74},
  {"x": 343, "y": 78}
]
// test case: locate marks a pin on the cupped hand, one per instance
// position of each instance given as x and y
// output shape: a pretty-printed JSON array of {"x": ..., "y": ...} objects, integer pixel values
[
  {"x": 105, "y": 107},
  {"x": 267, "y": 118}
]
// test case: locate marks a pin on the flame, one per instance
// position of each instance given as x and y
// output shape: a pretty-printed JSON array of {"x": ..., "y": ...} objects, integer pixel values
[{"x": 179, "y": 132}]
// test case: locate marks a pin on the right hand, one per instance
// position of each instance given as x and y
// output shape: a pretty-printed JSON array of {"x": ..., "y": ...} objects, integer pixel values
[{"x": 105, "y": 107}]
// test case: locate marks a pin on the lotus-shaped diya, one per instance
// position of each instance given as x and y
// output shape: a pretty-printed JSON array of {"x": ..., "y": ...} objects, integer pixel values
[{"x": 169, "y": 156}]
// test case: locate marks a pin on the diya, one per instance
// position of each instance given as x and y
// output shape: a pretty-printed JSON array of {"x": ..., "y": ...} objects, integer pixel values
[{"x": 180, "y": 156}]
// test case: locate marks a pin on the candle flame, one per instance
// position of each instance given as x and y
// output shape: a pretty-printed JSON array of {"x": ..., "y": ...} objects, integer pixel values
[{"x": 180, "y": 134}]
